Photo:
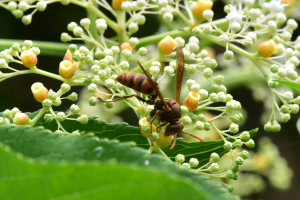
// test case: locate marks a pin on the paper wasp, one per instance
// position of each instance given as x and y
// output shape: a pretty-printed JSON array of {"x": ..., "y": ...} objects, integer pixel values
[{"x": 167, "y": 109}]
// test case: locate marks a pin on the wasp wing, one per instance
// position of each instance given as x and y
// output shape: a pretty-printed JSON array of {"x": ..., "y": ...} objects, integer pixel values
[
  {"x": 154, "y": 86},
  {"x": 179, "y": 72}
]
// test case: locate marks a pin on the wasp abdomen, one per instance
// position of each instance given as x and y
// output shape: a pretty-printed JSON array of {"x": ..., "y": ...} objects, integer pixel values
[{"x": 137, "y": 82}]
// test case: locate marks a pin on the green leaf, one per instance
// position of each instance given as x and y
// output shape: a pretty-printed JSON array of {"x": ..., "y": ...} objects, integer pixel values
[
  {"x": 288, "y": 83},
  {"x": 123, "y": 132},
  {"x": 43, "y": 145},
  {"x": 26, "y": 179}
]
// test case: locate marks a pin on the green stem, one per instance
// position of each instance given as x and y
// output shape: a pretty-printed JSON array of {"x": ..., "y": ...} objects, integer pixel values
[
  {"x": 121, "y": 19},
  {"x": 38, "y": 116},
  {"x": 92, "y": 16}
]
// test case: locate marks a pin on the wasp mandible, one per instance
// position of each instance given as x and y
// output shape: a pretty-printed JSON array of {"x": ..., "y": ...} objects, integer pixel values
[{"x": 167, "y": 109}]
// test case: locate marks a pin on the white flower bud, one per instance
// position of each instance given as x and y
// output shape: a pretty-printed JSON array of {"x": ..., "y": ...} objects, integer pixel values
[
  {"x": 204, "y": 54},
  {"x": 133, "y": 27},
  {"x": 180, "y": 41},
  {"x": 133, "y": 42},
  {"x": 141, "y": 3},
  {"x": 286, "y": 36},
  {"x": 71, "y": 26},
  {"x": 126, "y": 6},
  {"x": 3, "y": 63},
  {"x": 23, "y": 6},
  {"x": 78, "y": 31},
  {"x": 154, "y": 70},
  {"x": 84, "y": 50},
  {"x": 140, "y": 19},
  {"x": 207, "y": 29},
  {"x": 28, "y": 44},
  {"x": 228, "y": 55},
  {"x": 109, "y": 83},
  {"x": 41, "y": 5},
  {"x": 248, "y": 42},
  {"x": 272, "y": 26},
  {"x": 162, "y": 3},
  {"x": 280, "y": 49},
  {"x": 124, "y": 65},
  {"x": 224, "y": 39},
  {"x": 208, "y": 15},
  {"x": 235, "y": 27},
  {"x": 252, "y": 35},
  {"x": 115, "y": 50},
  {"x": 194, "y": 39},
  {"x": 169, "y": 71},
  {"x": 222, "y": 97},
  {"x": 249, "y": 3},
  {"x": 85, "y": 23},
  {"x": 203, "y": 93},
  {"x": 108, "y": 52},
  {"x": 292, "y": 24},
  {"x": 280, "y": 18},
  {"x": 92, "y": 88},
  {"x": 207, "y": 72},
  {"x": 190, "y": 82},
  {"x": 294, "y": 60},
  {"x": 191, "y": 69},
  {"x": 142, "y": 51},
  {"x": 126, "y": 54},
  {"x": 101, "y": 25},
  {"x": 195, "y": 87},
  {"x": 289, "y": 52},
  {"x": 168, "y": 17},
  {"x": 12, "y": 6},
  {"x": 193, "y": 47}
]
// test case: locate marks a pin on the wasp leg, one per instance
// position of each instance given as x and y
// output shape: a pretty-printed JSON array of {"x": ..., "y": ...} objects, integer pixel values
[
  {"x": 161, "y": 125},
  {"x": 151, "y": 125},
  {"x": 193, "y": 136},
  {"x": 126, "y": 97},
  {"x": 174, "y": 141}
]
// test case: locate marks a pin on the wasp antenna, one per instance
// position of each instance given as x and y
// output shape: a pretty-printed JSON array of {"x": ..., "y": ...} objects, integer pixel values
[
  {"x": 193, "y": 136},
  {"x": 174, "y": 141},
  {"x": 116, "y": 72},
  {"x": 100, "y": 99}
]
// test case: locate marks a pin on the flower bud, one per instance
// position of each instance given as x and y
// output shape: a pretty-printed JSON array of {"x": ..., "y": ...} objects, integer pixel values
[
  {"x": 18, "y": 13},
  {"x": 239, "y": 160},
  {"x": 245, "y": 136},
  {"x": 163, "y": 140},
  {"x": 235, "y": 27},
  {"x": 228, "y": 55},
  {"x": 234, "y": 128},
  {"x": 47, "y": 103},
  {"x": 73, "y": 96},
  {"x": 191, "y": 101},
  {"x": 12, "y": 6},
  {"x": 194, "y": 162},
  {"x": 39, "y": 92},
  {"x": 66, "y": 69},
  {"x": 234, "y": 168},
  {"x": 21, "y": 119},
  {"x": 85, "y": 23},
  {"x": 244, "y": 154},
  {"x": 207, "y": 29},
  {"x": 199, "y": 126},
  {"x": 229, "y": 174},
  {"x": 214, "y": 157},
  {"x": 65, "y": 88},
  {"x": 207, "y": 126},
  {"x": 74, "y": 109},
  {"x": 65, "y": 2},
  {"x": 109, "y": 105},
  {"x": 166, "y": 45},
  {"x": 180, "y": 158},
  {"x": 126, "y": 45},
  {"x": 93, "y": 101},
  {"x": 29, "y": 59},
  {"x": 285, "y": 117},
  {"x": 26, "y": 19},
  {"x": 48, "y": 118},
  {"x": 101, "y": 25},
  {"x": 126, "y": 54},
  {"x": 41, "y": 6},
  {"x": 208, "y": 14},
  {"x": 266, "y": 49},
  {"x": 133, "y": 27},
  {"x": 186, "y": 120},
  {"x": 65, "y": 37},
  {"x": 200, "y": 7},
  {"x": 83, "y": 119},
  {"x": 117, "y": 4},
  {"x": 56, "y": 102},
  {"x": 227, "y": 146},
  {"x": 237, "y": 143},
  {"x": 60, "y": 116},
  {"x": 8, "y": 114},
  {"x": 14, "y": 111},
  {"x": 250, "y": 143},
  {"x": 68, "y": 56},
  {"x": 78, "y": 31},
  {"x": 142, "y": 51},
  {"x": 92, "y": 88},
  {"x": 145, "y": 127},
  {"x": 168, "y": 17},
  {"x": 214, "y": 167},
  {"x": 186, "y": 165}
]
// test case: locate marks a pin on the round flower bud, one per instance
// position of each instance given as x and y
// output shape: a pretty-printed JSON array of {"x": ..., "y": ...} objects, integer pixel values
[
  {"x": 275, "y": 126},
  {"x": 237, "y": 143},
  {"x": 207, "y": 126},
  {"x": 294, "y": 60},
  {"x": 285, "y": 117},
  {"x": 166, "y": 45},
  {"x": 289, "y": 53},
  {"x": 133, "y": 27},
  {"x": 239, "y": 161},
  {"x": 41, "y": 6},
  {"x": 186, "y": 165},
  {"x": 101, "y": 25},
  {"x": 47, "y": 103},
  {"x": 186, "y": 120},
  {"x": 29, "y": 59},
  {"x": 35, "y": 50},
  {"x": 168, "y": 71},
  {"x": 48, "y": 118},
  {"x": 95, "y": 69},
  {"x": 214, "y": 157},
  {"x": 7, "y": 114},
  {"x": 141, "y": 3},
  {"x": 83, "y": 119},
  {"x": 190, "y": 82},
  {"x": 14, "y": 111},
  {"x": 74, "y": 109},
  {"x": 66, "y": 69},
  {"x": 274, "y": 68},
  {"x": 180, "y": 41},
  {"x": 179, "y": 158},
  {"x": 72, "y": 26},
  {"x": 234, "y": 128},
  {"x": 168, "y": 17},
  {"x": 4, "y": 121},
  {"x": 142, "y": 51},
  {"x": 197, "y": 31},
  {"x": 26, "y": 19},
  {"x": 219, "y": 79},
  {"x": 191, "y": 69},
  {"x": 126, "y": 54},
  {"x": 21, "y": 119},
  {"x": 163, "y": 140},
  {"x": 245, "y": 136},
  {"x": 248, "y": 42},
  {"x": 228, "y": 55},
  {"x": 17, "y": 13},
  {"x": 184, "y": 110},
  {"x": 281, "y": 18},
  {"x": 73, "y": 96},
  {"x": 227, "y": 146},
  {"x": 294, "y": 108},
  {"x": 207, "y": 29},
  {"x": 191, "y": 101},
  {"x": 250, "y": 143},
  {"x": 93, "y": 101},
  {"x": 281, "y": 72},
  {"x": 288, "y": 96},
  {"x": 56, "y": 102},
  {"x": 3, "y": 63},
  {"x": 154, "y": 70},
  {"x": 78, "y": 31},
  {"x": 272, "y": 84},
  {"x": 65, "y": 2},
  {"x": 193, "y": 47},
  {"x": 286, "y": 36},
  {"x": 244, "y": 154},
  {"x": 85, "y": 23},
  {"x": 200, "y": 7},
  {"x": 268, "y": 127},
  {"x": 60, "y": 116},
  {"x": 133, "y": 42},
  {"x": 126, "y": 6},
  {"x": 208, "y": 15},
  {"x": 266, "y": 49},
  {"x": 214, "y": 167},
  {"x": 39, "y": 92},
  {"x": 194, "y": 162},
  {"x": 229, "y": 188},
  {"x": 109, "y": 83},
  {"x": 65, "y": 37},
  {"x": 229, "y": 174},
  {"x": 272, "y": 26},
  {"x": 234, "y": 168},
  {"x": 235, "y": 27},
  {"x": 207, "y": 72},
  {"x": 12, "y": 6},
  {"x": 92, "y": 88},
  {"x": 109, "y": 105},
  {"x": 82, "y": 66},
  {"x": 223, "y": 39},
  {"x": 292, "y": 24}
]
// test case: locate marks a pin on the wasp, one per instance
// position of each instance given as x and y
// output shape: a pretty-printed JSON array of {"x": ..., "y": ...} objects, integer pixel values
[{"x": 167, "y": 109}]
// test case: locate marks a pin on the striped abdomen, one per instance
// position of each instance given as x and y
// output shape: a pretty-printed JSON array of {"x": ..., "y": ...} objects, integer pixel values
[{"x": 137, "y": 82}]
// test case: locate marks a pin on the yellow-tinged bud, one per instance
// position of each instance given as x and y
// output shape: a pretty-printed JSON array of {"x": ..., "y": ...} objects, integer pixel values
[
  {"x": 66, "y": 69},
  {"x": 200, "y": 7},
  {"x": 166, "y": 45},
  {"x": 163, "y": 140},
  {"x": 191, "y": 101},
  {"x": 126, "y": 45},
  {"x": 28, "y": 58},
  {"x": 266, "y": 49},
  {"x": 39, "y": 91},
  {"x": 144, "y": 122},
  {"x": 116, "y": 4},
  {"x": 21, "y": 118},
  {"x": 68, "y": 56}
]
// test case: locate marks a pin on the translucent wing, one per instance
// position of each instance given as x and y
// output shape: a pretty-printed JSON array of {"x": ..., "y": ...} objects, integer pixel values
[
  {"x": 179, "y": 72},
  {"x": 153, "y": 84}
]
